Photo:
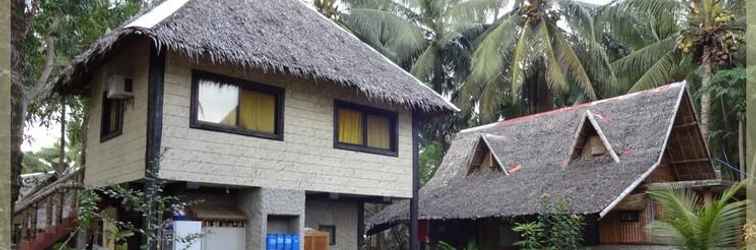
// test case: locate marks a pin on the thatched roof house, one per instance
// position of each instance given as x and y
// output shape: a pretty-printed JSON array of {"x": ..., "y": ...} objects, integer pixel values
[
  {"x": 538, "y": 156},
  {"x": 286, "y": 37},
  {"x": 264, "y": 107}
]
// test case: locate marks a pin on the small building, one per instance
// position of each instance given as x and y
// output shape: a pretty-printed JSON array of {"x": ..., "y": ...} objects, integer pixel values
[
  {"x": 599, "y": 158},
  {"x": 271, "y": 114}
]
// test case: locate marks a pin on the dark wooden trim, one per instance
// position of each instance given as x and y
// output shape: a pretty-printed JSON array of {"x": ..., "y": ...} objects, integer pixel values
[
  {"x": 120, "y": 110},
  {"x": 319, "y": 196},
  {"x": 689, "y": 161},
  {"x": 416, "y": 125},
  {"x": 366, "y": 110},
  {"x": 155, "y": 91},
  {"x": 278, "y": 92},
  {"x": 360, "y": 224}
]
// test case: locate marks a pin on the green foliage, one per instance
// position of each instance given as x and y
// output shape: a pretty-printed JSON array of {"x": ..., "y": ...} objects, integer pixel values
[
  {"x": 557, "y": 229},
  {"x": 528, "y": 39},
  {"x": 132, "y": 200},
  {"x": 446, "y": 246},
  {"x": 431, "y": 156},
  {"x": 687, "y": 224},
  {"x": 60, "y": 30},
  {"x": 532, "y": 235}
]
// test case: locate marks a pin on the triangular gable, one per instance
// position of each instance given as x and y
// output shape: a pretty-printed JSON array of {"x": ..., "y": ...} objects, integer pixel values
[
  {"x": 483, "y": 155},
  {"x": 590, "y": 140},
  {"x": 684, "y": 119}
]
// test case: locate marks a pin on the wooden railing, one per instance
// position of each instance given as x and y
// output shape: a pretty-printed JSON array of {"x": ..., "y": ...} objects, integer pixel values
[{"x": 45, "y": 216}]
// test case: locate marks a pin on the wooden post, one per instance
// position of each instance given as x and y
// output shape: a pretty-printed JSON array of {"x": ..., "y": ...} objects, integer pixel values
[
  {"x": 61, "y": 203},
  {"x": 34, "y": 220},
  {"x": 360, "y": 224},
  {"x": 48, "y": 211},
  {"x": 154, "y": 135},
  {"x": 416, "y": 124},
  {"x": 707, "y": 197}
]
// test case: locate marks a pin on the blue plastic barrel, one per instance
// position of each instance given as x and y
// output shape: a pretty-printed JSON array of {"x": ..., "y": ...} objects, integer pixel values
[
  {"x": 287, "y": 242},
  {"x": 270, "y": 242},
  {"x": 295, "y": 242},
  {"x": 279, "y": 242}
]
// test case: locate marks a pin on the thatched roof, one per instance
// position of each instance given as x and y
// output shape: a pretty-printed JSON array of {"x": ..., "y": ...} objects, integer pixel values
[
  {"x": 276, "y": 36},
  {"x": 636, "y": 126}
]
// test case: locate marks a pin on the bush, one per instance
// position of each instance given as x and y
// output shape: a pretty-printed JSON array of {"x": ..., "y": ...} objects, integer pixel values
[{"x": 557, "y": 230}]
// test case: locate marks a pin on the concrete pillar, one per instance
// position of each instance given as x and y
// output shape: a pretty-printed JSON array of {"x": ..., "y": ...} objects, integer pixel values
[{"x": 259, "y": 203}]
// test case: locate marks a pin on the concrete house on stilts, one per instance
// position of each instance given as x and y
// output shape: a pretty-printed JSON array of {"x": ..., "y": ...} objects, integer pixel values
[{"x": 269, "y": 112}]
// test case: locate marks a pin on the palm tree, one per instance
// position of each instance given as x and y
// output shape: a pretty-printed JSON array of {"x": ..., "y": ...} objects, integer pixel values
[
  {"x": 670, "y": 39},
  {"x": 426, "y": 37},
  {"x": 526, "y": 48},
  {"x": 686, "y": 223}
]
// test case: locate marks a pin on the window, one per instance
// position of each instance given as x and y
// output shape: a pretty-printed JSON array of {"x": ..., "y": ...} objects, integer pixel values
[
  {"x": 364, "y": 129},
  {"x": 629, "y": 216},
  {"x": 236, "y": 106},
  {"x": 331, "y": 230},
  {"x": 111, "y": 123}
]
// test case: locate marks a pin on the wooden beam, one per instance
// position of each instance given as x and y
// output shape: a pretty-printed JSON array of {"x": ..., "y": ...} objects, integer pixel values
[
  {"x": 690, "y": 161},
  {"x": 686, "y": 125}
]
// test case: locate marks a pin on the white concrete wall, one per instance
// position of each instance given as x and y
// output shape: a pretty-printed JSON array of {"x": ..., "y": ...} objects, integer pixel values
[
  {"x": 342, "y": 214},
  {"x": 120, "y": 159},
  {"x": 304, "y": 160}
]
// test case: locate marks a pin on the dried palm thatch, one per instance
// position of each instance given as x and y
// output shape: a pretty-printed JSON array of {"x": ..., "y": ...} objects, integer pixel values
[
  {"x": 538, "y": 146},
  {"x": 276, "y": 36}
]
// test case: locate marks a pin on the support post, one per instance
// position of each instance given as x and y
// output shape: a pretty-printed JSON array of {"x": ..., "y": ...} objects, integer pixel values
[
  {"x": 154, "y": 136},
  {"x": 416, "y": 124},
  {"x": 360, "y": 224}
]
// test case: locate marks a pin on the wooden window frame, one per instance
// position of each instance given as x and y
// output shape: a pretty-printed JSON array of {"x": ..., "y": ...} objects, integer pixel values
[
  {"x": 105, "y": 110},
  {"x": 629, "y": 216},
  {"x": 278, "y": 92},
  {"x": 365, "y": 111},
  {"x": 331, "y": 230}
]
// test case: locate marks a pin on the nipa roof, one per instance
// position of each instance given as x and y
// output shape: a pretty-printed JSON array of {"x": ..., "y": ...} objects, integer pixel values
[
  {"x": 280, "y": 36},
  {"x": 635, "y": 125}
]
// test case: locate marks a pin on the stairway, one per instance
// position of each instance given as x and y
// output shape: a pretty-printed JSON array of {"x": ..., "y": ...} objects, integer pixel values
[{"x": 47, "y": 215}]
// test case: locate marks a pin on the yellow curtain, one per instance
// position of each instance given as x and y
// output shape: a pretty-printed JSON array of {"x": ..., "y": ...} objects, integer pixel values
[
  {"x": 257, "y": 111},
  {"x": 378, "y": 132},
  {"x": 230, "y": 118},
  {"x": 350, "y": 126}
]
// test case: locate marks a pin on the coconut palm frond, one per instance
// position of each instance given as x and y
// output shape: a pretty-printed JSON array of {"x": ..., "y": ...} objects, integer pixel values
[
  {"x": 519, "y": 59},
  {"x": 382, "y": 28},
  {"x": 426, "y": 63},
  {"x": 659, "y": 73},
  {"x": 657, "y": 8},
  {"x": 491, "y": 98},
  {"x": 691, "y": 223},
  {"x": 487, "y": 59},
  {"x": 635, "y": 64},
  {"x": 554, "y": 74},
  {"x": 478, "y": 10},
  {"x": 572, "y": 63}
]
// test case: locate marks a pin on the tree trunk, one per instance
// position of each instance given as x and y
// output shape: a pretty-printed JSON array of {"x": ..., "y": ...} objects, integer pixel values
[
  {"x": 20, "y": 21},
  {"x": 5, "y": 110},
  {"x": 62, "y": 153},
  {"x": 706, "y": 101},
  {"x": 540, "y": 98},
  {"x": 741, "y": 148}
]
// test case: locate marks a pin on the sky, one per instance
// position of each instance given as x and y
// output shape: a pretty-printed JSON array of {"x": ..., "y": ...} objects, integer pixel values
[{"x": 46, "y": 136}]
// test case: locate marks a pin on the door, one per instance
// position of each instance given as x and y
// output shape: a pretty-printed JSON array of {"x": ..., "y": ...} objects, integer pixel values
[{"x": 223, "y": 237}]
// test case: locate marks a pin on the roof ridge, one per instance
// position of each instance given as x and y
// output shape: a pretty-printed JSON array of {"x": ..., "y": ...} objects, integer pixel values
[
  {"x": 157, "y": 14},
  {"x": 569, "y": 108}
]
